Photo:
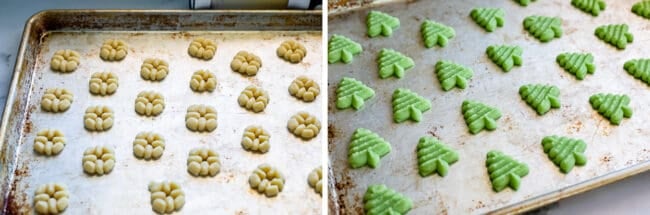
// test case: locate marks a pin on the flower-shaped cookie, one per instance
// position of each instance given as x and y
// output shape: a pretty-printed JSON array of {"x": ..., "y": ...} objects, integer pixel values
[
  {"x": 304, "y": 125},
  {"x": 148, "y": 145},
  {"x": 65, "y": 61},
  {"x": 256, "y": 139},
  {"x": 315, "y": 179},
  {"x": 149, "y": 103},
  {"x": 266, "y": 179},
  {"x": 201, "y": 118},
  {"x": 253, "y": 98},
  {"x": 103, "y": 83},
  {"x": 98, "y": 118},
  {"x": 203, "y": 162},
  {"x": 304, "y": 88},
  {"x": 98, "y": 160},
  {"x": 113, "y": 50},
  {"x": 202, "y": 81},
  {"x": 154, "y": 69},
  {"x": 202, "y": 48},
  {"x": 166, "y": 197},
  {"x": 51, "y": 198},
  {"x": 56, "y": 100},
  {"x": 49, "y": 142},
  {"x": 292, "y": 51},
  {"x": 246, "y": 63}
]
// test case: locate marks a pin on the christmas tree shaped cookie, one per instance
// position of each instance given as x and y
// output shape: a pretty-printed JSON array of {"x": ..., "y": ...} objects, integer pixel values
[
  {"x": 381, "y": 200},
  {"x": 452, "y": 75},
  {"x": 565, "y": 152},
  {"x": 393, "y": 63},
  {"x": 611, "y": 106},
  {"x": 524, "y": 2},
  {"x": 505, "y": 56},
  {"x": 578, "y": 64},
  {"x": 408, "y": 105},
  {"x": 642, "y": 9},
  {"x": 381, "y": 24},
  {"x": 616, "y": 35},
  {"x": 589, "y": 6},
  {"x": 540, "y": 97},
  {"x": 342, "y": 49},
  {"x": 352, "y": 93},
  {"x": 434, "y": 157},
  {"x": 543, "y": 28},
  {"x": 488, "y": 18},
  {"x": 366, "y": 148},
  {"x": 504, "y": 171},
  {"x": 639, "y": 68},
  {"x": 479, "y": 116},
  {"x": 434, "y": 33}
]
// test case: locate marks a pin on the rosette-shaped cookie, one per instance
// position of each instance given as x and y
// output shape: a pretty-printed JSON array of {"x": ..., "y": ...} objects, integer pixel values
[
  {"x": 253, "y": 98},
  {"x": 149, "y": 103},
  {"x": 202, "y": 48},
  {"x": 148, "y": 145},
  {"x": 98, "y": 118},
  {"x": 246, "y": 63},
  {"x": 56, "y": 100},
  {"x": 166, "y": 196},
  {"x": 266, "y": 179},
  {"x": 98, "y": 160},
  {"x": 304, "y": 89},
  {"x": 201, "y": 118},
  {"x": 202, "y": 81},
  {"x": 154, "y": 69},
  {"x": 315, "y": 179},
  {"x": 65, "y": 61},
  {"x": 304, "y": 125},
  {"x": 256, "y": 139},
  {"x": 203, "y": 162},
  {"x": 51, "y": 199},
  {"x": 103, "y": 83},
  {"x": 292, "y": 51},
  {"x": 113, "y": 50},
  {"x": 49, "y": 142}
]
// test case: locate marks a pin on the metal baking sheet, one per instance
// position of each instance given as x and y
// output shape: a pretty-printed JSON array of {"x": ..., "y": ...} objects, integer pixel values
[
  {"x": 165, "y": 35},
  {"x": 613, "y": 152}
]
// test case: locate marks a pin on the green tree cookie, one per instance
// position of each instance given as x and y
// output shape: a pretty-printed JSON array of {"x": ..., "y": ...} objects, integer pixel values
[
  {"x": 504, "y": 171},
  {"x": 342, "y": 49},
  {"x": 434, "y": 157},
  {"x": 381, "y": 200},
  {"x": 616, "y": 35},
  {"x": 543, "y": 28},
  {"x": 565, "y": 152},
  {"x": 639, "y": 68},
  {"x": 611, "y": 106},
  {"x": 642, "y": 9},
  {"x": 408, "y": 105},
  {"x": 352, "y": 93},
  {"x": 540, "y": 97},
  {"x": 452, "y": 75},
  {"x": 479, "y": 116},
  {"x": 435, "y": 33},
  {"x": 524, "y": 2},
  {"x": 589, "y": 6},
  {"x": 505, "y": 56},
  {"x": 393, "y": 63},
  {"x": 381, "y": 24},
  {"x": 488, "y": 18},
  {"x": 366, "y": 148},
  {"x": 578, "y": 64}
]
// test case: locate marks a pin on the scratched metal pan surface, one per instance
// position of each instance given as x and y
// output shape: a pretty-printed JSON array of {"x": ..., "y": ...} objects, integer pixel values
[
  {"x": 613, "y": 152},
  {"x": 165, "y": 35}
]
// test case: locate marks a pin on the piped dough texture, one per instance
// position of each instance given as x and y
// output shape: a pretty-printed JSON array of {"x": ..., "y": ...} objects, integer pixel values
[
  {"x": 315, "y": 179},
  {"x": 253, "y": 98},
  {"x": 256, "y": 139},
  {"x": 65, "y": 61},
  {"x": 56, "y": 100},
  {"x": 202, "y": 48},
  {"x": 304, "y": 125},
  {"x": 113, "y": 50},
  {"x": 202, "y": 81},
  {"x": 304, "y": 89},
  {"x": 103, "y": 83},
  {"x": 49, "y": 142},
  {"x": 266, "y": 179},
  {"x": 203, "y": 162},
  {"x": 154, "y": 69},
  {"x": 98, "y": 118},
  {"x": 201, "y": 118},
  {"x": 246, "y": 63},
  {"x": 51, "y": 198},
  {"x": 148, "y": 145},
  {"x": 292, "y": 51},
  {"x": 166, "y": 196},
  {"x": 98, "y": 160},
  {"x": 149, "y": 103}
]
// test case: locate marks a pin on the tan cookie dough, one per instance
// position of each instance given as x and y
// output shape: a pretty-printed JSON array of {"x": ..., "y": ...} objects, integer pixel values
[
  {"x": 266, "y": 179},
  {"x": 304, "y": 125},
  {"x": 113, "y": 50},
  {"x": 315, "y": 179},
  {"x": 154, "y": 69},
  {"x": 98, "y": 118},
  {"x": 166, "y": 197},
  {"x": 51, "y": 199},
  {"x": 49, "y": 142},
  {"x": 56, "y": 100},
  {"x": 304, "y": 89},
  {"x": 149, "y": 103},
  {"x": 203, "y": 162},
  {"x": 103, "y": 83},
  {"x": 253, "y": 98},
  {"x": 246, "y": 63},
  {"x": 98, "y": 160},
  {"x": 256, "y": 139},
  {"x": 201, "y": 118},
  {"x": 148, "y": 145},
  {"x": 65, "y": 61},
  {"x": 292, "y": 51},
  {"x": 202, "y": 81},
  {"x": 202, "y": 48}
]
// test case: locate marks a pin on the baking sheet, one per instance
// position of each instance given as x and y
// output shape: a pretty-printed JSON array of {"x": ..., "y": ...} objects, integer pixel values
[
  {"x": 124, "y": 190},
  {"x": 613, "y": 152}
]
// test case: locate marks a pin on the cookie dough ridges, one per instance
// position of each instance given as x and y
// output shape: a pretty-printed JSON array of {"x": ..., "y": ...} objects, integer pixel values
[
  {"x": 589, "y": 6},
  {"x": 113, "y": 50},
  {"x": 304, "y": 89},
  {"x": 380, "y": 200},
  {"x": 202, "y": 48},
  {"x": 639, "y": 68},
  {"x": 304, "y": 125},
  {"x": 452, "y": 75},
  {"x": 366, "y": 148},
  {"x": 148, "y": 145},
  {"x": 291, "y": 51},
  {"x": 393, "y": 63},
  {"x": 642, "y": 8},
  {"x": 267, "y": 179},
  {"x": 98, "y": 160},
  {"x": 246, "y": 63},
  {"x": 202, "y": 81},
  {"x": 434, "y": 33},
  {"x": 540, "y": 97},
  {"x": 56, "y": 100},
  {"x": 479, "y": 116},
  {"x": 381, "y": 24},
  {"x": 49, "y": 142},
  {"x": 616, "y": 35},
  {"x": 254, "y": 98},
  {"x": 149, "y": 103},
  {"x": 504, "y": 171},
  {"x": 201, "y": 118},
  {"x": 543, "y": 28},
  {"x": 98, "y": 118},
  {"x": 65, "y": 61},
  {"x": 256, "y": 139},
  {"x": 505, "y": 56},
  {"x": 315, "y": 179},
  {"x": 488, "y": 18},
  {"x": 565, "y": 152},
  {"x": 352, "y": 93},
  {"x": 578, "y": 64},
  {"x": 154, "y": 69},
  {"x": 166, "y": 196},
  {"x": 342, "y": 49},
  {"x": 203, "y": 162},
  {"x": 51, "y": 198},
  {"x": 408, "y": 105},
  {"x": 611, "y": 106},
  {"x": 434, "y": 157},
  {"x": 524, "y": 2},
  {"x": 103, "y": 83}
]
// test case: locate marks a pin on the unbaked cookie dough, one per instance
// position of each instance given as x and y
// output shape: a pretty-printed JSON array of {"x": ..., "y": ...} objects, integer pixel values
[
  {"x": 202, "y": 48},
  {"x": 113, "y": 50},
  {"x": 166, "y": 197},
  {"x": 246, "y": 63},
  {"x": 148, "y": 145},
  {"x": 304, "y": 125},
  {"x": 103, "y": 83},
  {"x": 256, "y": 139},
  {"x": 292, "y": 51},
  {"x": 56, "y": 100},
  {"x": 65, "y": 61},
  {"x": 304, "y": 89},
  {"x": 253, "y": 98},
  {"x": 202, "y": 81},
  {"x": 203, "y": 162},
  {"x": 49, "y": 142},
  {"x": 154, "y": 69},
  {"x": 51, "y": 199},
  {"x": 315, "y": 179},
  {"x": 266, "y": 179},
  {"x": 98, "y": 118},
  {"x": 149, "y": 103},
  {"x": 98, "y": 160},
  {"x": 201, "y": 118}
]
